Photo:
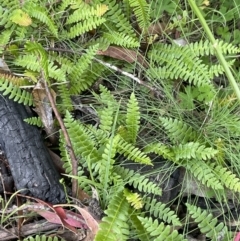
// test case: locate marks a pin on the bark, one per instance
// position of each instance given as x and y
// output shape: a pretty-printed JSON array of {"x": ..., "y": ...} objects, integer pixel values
[{"x": 29, "y": 160}]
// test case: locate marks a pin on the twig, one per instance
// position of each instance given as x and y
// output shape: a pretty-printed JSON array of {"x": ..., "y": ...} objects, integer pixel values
[{"x": 65, "y": 134}]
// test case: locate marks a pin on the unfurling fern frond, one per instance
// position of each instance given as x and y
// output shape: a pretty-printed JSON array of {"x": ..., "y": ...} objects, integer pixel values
[
  {"x": 133, "y": 198},
  {"x": 161, "y": 211},
  {"x": 207, "y": 224},
  {"x": 15, "y": 93},
  {"x": 34, "y": 121},
  {"x": 159, "y": 231},
  {"x": 83, "y": 145},
  {"x": 137, "y": 180},
  {"x": 141, "y": 9},
  {"x": 132, "y": 153},
  {"x": 43, "y": 238},
  {"x": 179, "y": 131},
  {"x": 229, "y": 179},
  {"x": 194, "y": 150},
  {"x": 132, "y": 120},
  {"x": 114, "y": 225}
]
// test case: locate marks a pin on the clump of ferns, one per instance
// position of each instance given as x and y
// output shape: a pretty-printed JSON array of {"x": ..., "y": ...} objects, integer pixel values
[{"x": 97, "y": 148}]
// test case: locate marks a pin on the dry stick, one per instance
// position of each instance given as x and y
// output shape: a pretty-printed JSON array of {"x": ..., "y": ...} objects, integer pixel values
[
  {"x": 65, "y": 134},
  {"x": 115, "y": 68}
]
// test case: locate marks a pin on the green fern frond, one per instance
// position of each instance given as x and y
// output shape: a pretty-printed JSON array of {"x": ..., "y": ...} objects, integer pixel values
[
  {"x": 205, "y": 47},
  {"x": 175, "y": 62},
  {"x": 159, "y": 231},
  {"x": 160, "y": 149},
  {"x": 141, "y": 10},
  {"x": 132, "y": 119},
  {"x": 161, "y": 211},
  {"x": 121, "y": 39},
  {"x": 66, "y": 102},
  {"x": 132, "y": 153},
  {"x": 229, "y": 179},
  {"x": 83, "y": 145},
  {"x": 84, "y": 26},
  {"x": 80, "y": 67},
  {"x": 133, "y": 198},
  {"x": 206, "y": 223},
  {"x": 114, "y": 225},
  {"x": 34, "y": 121},
  {"x": 137, "y": 180},
  {"x": 85, "y": 11},
  {"x": 203, "y": 173},
  {"x": 38, "y": 12},
  {"x": 43, "y": 238},
  {"x": 194, "y": 150},
  {"x": 140, "y": 230},
  {"x": 15, "y": 93},
  {"x": 107, "y": 161},
  {"x": 4, "y": 38},
  {"x": 116, "y": 20},
  {"x": 28, "y": 61},
  {"x": 179, "y": 131}
]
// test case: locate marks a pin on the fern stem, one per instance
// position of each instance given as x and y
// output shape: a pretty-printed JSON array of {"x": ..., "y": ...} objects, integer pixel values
[{"x": 219, "y": 54}]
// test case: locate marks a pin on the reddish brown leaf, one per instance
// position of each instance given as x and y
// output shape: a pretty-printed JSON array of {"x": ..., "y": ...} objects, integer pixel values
[{"x": 127, "y": 55}]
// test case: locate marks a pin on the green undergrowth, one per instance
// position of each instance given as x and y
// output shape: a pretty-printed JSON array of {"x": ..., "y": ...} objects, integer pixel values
[{"x": 137, "y": 84}]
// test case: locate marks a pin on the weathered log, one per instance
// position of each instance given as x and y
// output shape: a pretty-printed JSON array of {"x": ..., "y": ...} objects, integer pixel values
[{"x": 29, "y": 160}]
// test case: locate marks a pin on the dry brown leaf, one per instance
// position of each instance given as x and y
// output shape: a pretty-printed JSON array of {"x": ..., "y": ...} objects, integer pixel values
[
  {"x": 43, "y": 108},
  {"x": 127, "y": 55}
]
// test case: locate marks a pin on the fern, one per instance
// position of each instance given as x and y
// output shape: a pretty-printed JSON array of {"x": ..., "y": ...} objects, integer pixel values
[
  {"x": 141, "y": 9},
  {"x": 227, "y": 178},
  {"x": 160, "y": 149},
  {"x": 133, "y": 153},
  {"x": 121, "y": 39},
  {"x": 132, "y": 119},
  {"x": 114, "y": 226},
  {"x": 194, "y": 150},
  {"x": 137, "y": 180},
  {"x": 133, "y": 198},
  {"x": 82, "y": 142},
  {"x": 204, "y": 174},
  {"x": 161, "y": 211},
  {"x": 40, "y": 14},
  {"x": 202, "y": 48},
  {"x": 179, "y": 131},
  {"x": 160, "y": 232},
  {"x": 178, "y": 62},
  {"x": 107, "y": 161},
  {"x": 34, "y": 121},
  {"x": 116, "y": 20},
  {"x": 15, "y": 93},
  {"x": 85, "y": 26},
  {"x": 206, "y": 223},
  {"x": 140, "y": 230}
]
